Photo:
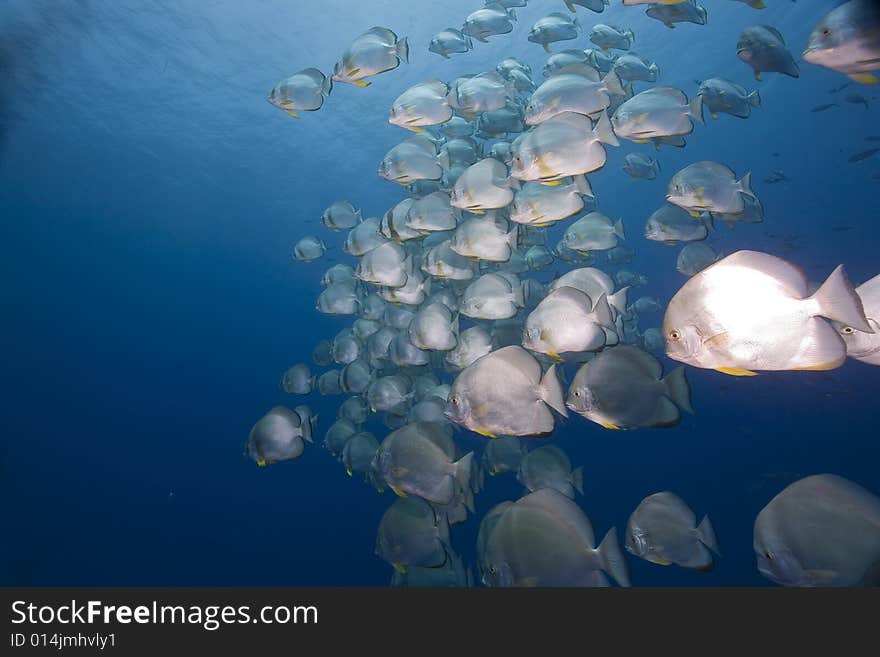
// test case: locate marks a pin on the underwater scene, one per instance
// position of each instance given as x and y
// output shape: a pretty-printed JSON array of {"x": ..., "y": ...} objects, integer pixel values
[{"x": 532, "y": 293}]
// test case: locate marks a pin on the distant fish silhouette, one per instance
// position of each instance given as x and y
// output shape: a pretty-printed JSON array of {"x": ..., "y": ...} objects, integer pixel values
[
  {"x": 863, "y": 155},
  {"x": 822, "y": 108}
]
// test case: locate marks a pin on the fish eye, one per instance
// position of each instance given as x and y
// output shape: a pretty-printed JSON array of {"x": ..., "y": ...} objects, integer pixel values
[
  {"x": 675, "y": 334},
  {"x": 577, "y": 393},
  {"x": 492, "y": 568},
  {"x": 826, "y": 31},
  {"x": 849, "y": 330}
]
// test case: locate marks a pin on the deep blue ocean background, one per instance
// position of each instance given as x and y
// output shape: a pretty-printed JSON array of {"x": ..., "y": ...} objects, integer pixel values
[{"x": 150, "y": 196}]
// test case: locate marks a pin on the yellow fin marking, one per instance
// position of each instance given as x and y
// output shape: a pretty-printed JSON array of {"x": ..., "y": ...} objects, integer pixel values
[
  {"x": 608, "y": 425},
  {"x": 735, "y": 371},
  {"x": 865, "y": 78}
]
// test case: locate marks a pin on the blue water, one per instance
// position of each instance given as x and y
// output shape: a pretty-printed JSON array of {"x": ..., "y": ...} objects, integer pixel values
[{"x": 149, "y": 198}]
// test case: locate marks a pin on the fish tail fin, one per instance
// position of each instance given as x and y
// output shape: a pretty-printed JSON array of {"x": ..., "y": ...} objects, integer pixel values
[
  {"x": 838, "y": 301},
  {"x": 463, "y": 473},
  {"x": 570, "y": 6},
  {"x": 546, "y": 47},
  {"x": 612, "y": 83},
  {"x": 602, "y": 312},
  {"x": 443, "y": 528},
  {"x": 550, "y": 391},
  {"x": 612, "y": 559},
  {"x": 655, "y": 70},
  {"x": 754, "y": 98},
  {"x": 582, "y": 185},
  {"x": 631, "y": 37},
  {"x": 745, "y": 184},
  {"x": 455, "y": 323},
  {"x": 402, "y": 49},
  {"x": 618, "y": 229},
  {"x": 695, "y": 109},
  {"x": 706, "y": 534},
  {"x": 518, "y": 296},
  {"x": 679, "y": 390},
  {"x": 327, "y": 86},
  {"x": 577, "y": 479},
  {"x": 604, "y": 132},
  {"x": 618, "y": 300},
  {"x": 513, "y": 237},
  {"x": 512, "y": 13}
]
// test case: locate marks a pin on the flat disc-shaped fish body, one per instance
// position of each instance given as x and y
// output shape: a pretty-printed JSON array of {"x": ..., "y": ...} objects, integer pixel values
[
  {"x": 442, "y": 262},
  {"x": 308, "y": 248},
  {"x": 338, "y": 434},
  {"x": 708, "y": 186},
  {"x": 539, "y": 257},
  {"x": 487, "y": 524},
  {"x": 847, "y": 39},
  {"x": 341, "y": 214},
  {"x": 564, "y": 145},
  {"x": 723, "y": 96},
  {"x": 752, "y": 311},
  {"x": 488, "y": 237},
  {"x": 390, "y": 393},
  {"x": 375, "y": 51},
  {"x": 277, "y": 436},
  {"x": 421, "y": 105},
  {"x": 860, "y": 345},
  {"x": 571, "y": 93},
  {"x": 763, "y": 48},
  {"x": 491, "y": 296},
  {"x": 663, "y": 530},
  {"x": 328, "y": 383},
  {"x": 593, "y": 232},
  {"x": 461, "y": 151},
  {"x": 549, "y": 467},
  {"x": 297, "y": 380},
  {"x": 554, "y": 27},
  {"x": 403, "y": 353},
  {"x": 415, "y": 461},
  {"x": 359, "y": 451},
  {"x": 545, "y": 539},
  {"x": 355, "y": 410},
  {"x": 457, "y": 126},
  {"x": 471, "y": 96},
  {"x": 611, "y": 36},
  {"x": 449, "y": 41},
  {"x": 537, "y": 204},
  {"x": 412, "y": 160},
  {"x": 387, "y": 264},
  {"x": 752, "y": 213},
  {"x": 302, "y": 91},
  {"x": 505, "y": 394},
  {"x": 411, "y": 534},
  {"x": 822, "y": 530},
  {"x": 483, "y": 186},
  {"x": 656, "y": 112},
  {"x": 632, "y": 67},
  {"x": 594, "y": 283},
  {"x": 566, "y": 322},
  {"x": 473, "y": 343},
  {"x": 433, "y": 328},
  {"x": 487, "y": 22},
  {"x": 363, "y": 237},
  {"x": 694, "y": 258},
  {"x": 638, "y": 165},
  {"x": 570, "y": 61},
  {"x": 622, "y": 388},
  {"x": 503, "y": 454},
  {"x": 594, "y": 5},
  {"x": 687, "y": 11}
]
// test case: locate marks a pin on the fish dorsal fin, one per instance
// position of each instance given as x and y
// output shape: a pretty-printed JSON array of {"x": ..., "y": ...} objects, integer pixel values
[
  {"x": 383, "y": 33},
  {"x": 315, "y": 75},
  {"x": 572, "y": 119},
  {"x": 520, "y": 359},
  {"x": 790, "y": 276},
  {"x": 572, "y": 295},
  {"x": 671, "y": 93},
  {"x": 644, "y": 361},
  {"x": 424, "y": 143},
  {"x": 437, "y": 86},
  {"x": 563, "y": 510},
  {"x": 775, "y": 33}
]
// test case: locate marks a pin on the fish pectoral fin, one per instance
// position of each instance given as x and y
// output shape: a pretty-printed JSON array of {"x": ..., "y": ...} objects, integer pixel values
[
  {"x": 719, "y": 339},
  {"x": 398, "y": 491},
  {"x": 694, "y": 214},
  {"x": 348, "y": 471},
  {"x": 735, "y": 371},
  {"x": 865, "y": 78},
  {"x": 609, "y": 425},
  {"x": 360, "y": 83},
  {"x": 261, "y": 463},
  {"x": 485, "y": 432},
  {"x": 758, "y": 75},
  {"x": 660, "y": 561},
  {"x": 291, "y": 113},
  {"x": 551, "y": 183},
  {"x": 399, "y": 567}
]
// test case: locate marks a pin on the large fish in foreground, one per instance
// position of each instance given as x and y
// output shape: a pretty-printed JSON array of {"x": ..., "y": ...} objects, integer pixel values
[
  {"x": 822, "y": 530},
  {"x": 865, "y": 346},
  {"x": 847, "y": 40},
  {"x": 752, "y": 311}
]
